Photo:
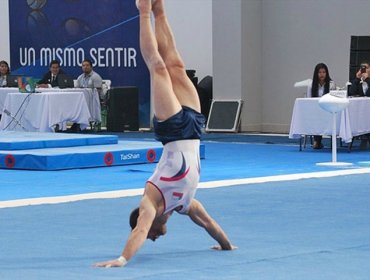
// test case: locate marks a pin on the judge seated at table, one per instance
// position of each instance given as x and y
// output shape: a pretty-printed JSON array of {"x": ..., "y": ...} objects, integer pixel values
[
  {"x": 89, "y": 78},
  {"x": 55, "y": 77},
  {"x": 4, "y": 72},
  {"x": 321, "y": 85},
  {"x": 361, "y": 88},
  {"x": 361, "y": 84}
]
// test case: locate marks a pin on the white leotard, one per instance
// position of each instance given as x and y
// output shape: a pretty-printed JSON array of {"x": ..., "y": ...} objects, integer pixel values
[{"x": 177, "y": 174}]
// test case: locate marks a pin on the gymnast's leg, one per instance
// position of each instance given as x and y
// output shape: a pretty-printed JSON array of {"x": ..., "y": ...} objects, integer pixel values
[
  {"x": 165, "y": 102},
  {"x": 183, "y": 88}
]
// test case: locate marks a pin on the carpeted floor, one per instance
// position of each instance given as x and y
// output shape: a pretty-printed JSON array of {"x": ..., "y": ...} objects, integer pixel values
[{"x": 314, "y": 228}]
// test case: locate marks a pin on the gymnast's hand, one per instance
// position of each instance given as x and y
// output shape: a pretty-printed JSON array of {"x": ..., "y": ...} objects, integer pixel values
[
  {"x": 121, "y": 261},
  {"x": 219, "y": 248}
]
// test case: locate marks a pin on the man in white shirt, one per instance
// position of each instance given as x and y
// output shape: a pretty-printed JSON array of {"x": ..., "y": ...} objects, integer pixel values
[{"x": 89, "y": 78}]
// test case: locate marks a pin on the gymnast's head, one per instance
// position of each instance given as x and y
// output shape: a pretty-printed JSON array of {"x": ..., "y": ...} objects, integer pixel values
[{"x": 156, "y": 230}]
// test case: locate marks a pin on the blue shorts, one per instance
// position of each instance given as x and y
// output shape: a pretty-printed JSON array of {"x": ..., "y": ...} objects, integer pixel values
[{"x": 186, "y": 124}]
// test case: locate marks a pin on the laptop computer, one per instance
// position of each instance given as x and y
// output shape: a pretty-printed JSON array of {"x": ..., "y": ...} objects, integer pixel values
[
  {"x": 65, "y": 81},
  {"x": 11, "y": 81}
]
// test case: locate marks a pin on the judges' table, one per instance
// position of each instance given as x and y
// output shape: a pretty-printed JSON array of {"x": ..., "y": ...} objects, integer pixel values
[
  {"x": 309, "y": 119},
  {"x": 91, "y": 96},
  {"x": 42, "y": 111}
]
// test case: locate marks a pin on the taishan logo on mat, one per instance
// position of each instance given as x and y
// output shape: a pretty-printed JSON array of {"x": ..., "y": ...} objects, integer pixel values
[{"x": 129, "y": 156}]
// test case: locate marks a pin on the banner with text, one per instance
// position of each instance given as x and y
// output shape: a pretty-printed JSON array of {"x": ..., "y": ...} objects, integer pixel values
[{"x": 104, "y": 31}]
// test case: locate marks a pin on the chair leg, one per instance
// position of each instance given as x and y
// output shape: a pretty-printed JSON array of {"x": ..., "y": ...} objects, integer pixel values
[
  {"x": 304, "y": 142},
  {"x": 350, "y": 146}
]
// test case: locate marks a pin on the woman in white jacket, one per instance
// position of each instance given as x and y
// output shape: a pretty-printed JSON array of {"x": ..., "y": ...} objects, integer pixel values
[{"x": 321, "y": 85}]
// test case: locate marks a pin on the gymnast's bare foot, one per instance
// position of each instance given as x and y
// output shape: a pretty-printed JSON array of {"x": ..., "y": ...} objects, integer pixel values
[
  {"x": 144, "y": 6},
  {"x": 158, "y": 7}
]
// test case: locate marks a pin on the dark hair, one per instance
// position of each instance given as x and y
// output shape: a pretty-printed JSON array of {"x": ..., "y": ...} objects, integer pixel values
[
  {"x": 315, "y": 80},
  {"x": 6, "y": 64},
  {"x": 88, "y": 61},
  {"x": 133, "y": 217},
  {"x": 364, "y": 62},
  {"x": 54, "y": 62}
]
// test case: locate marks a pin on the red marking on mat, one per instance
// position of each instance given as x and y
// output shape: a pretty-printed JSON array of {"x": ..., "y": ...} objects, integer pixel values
[
  {"x": 150, "y": 155},
  {"x": 9, "y": 161},
  {"x": 108, "y": 158}
]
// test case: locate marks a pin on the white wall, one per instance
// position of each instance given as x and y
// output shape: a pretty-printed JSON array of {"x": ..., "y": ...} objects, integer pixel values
[
  {"x": 237, "y": 57},
  {"x": 227, "y": 49},
  {"x": 191, "y": 21},
  {"x": 296, "y": 35},
  {"x": 262, "y": 47},
  {"x": 252, "y": 75},
  {"x": 4, "y": 31}
]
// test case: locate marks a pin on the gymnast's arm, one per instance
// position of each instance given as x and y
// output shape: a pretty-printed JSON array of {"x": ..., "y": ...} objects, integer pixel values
[
  {"x": 137, "y": 236},
  {"x": 199, "y": 215}
]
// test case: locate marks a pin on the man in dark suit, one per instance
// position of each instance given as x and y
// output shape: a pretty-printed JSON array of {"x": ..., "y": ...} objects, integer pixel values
[
  {"x": 361, "y": 84},
  {"x": 361, "y": 87},
  {"x": 54, "y": 77}
]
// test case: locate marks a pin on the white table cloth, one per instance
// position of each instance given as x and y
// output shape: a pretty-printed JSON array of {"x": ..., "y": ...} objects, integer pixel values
[
  {"x": 42, "y": 111},
  {"x": 3, "y": 94},
  {"x": 91, "y": 96},
  {"x": 309, "y": 119}
]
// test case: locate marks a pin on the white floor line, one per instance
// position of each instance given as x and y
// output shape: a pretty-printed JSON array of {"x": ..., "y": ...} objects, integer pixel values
[{"x": 202, "y": 185}]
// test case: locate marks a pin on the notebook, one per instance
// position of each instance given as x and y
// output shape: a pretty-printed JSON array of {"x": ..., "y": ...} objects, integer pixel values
[{"x": 11, "y": 81}]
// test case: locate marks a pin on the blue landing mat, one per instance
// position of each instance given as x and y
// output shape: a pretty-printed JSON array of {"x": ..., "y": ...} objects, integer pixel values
[
  {"x": 313, "y": 229},
  {"x": 14, "y": 140},
  {"x": 123, "y": 153}
]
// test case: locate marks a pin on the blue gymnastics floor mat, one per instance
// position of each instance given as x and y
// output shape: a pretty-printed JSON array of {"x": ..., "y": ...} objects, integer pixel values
[
  {"x": 123, "y": 153},
  {"x": 15, "y": 140}
]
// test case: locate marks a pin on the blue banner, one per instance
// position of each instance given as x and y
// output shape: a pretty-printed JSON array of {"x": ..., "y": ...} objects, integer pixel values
[{"x": 105, "y": 31}]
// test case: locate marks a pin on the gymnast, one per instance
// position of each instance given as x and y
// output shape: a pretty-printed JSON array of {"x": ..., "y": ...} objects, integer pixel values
[{"x": 177, "y": 124}]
